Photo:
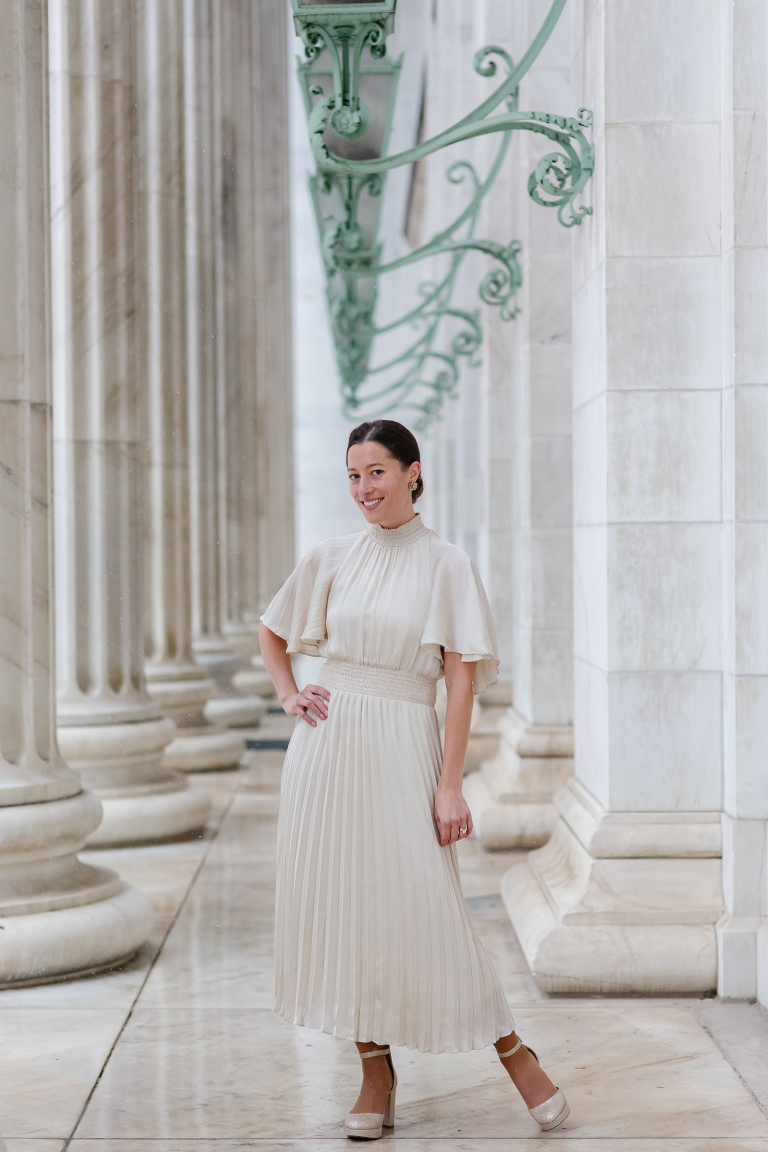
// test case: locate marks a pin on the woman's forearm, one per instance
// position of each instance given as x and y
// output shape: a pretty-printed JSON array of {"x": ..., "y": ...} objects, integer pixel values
[
  {"x": 311, "y": 704},
  {"x": 453, "y": 818},
  {"x": 274, "y": 652},
  {"x": 457, "y": 721},
  {"x": 458, "y": 718}
]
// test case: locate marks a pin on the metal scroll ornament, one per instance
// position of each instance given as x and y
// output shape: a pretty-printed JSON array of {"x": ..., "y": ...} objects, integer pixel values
[{"x": 349, "y": 86}]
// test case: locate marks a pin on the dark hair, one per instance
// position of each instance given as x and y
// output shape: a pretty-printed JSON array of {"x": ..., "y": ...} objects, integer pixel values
[{"x": 398, "y": 441}]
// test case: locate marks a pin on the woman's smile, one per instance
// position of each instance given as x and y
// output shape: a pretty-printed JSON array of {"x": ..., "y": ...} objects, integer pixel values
[{"x": 380, "y": 483}]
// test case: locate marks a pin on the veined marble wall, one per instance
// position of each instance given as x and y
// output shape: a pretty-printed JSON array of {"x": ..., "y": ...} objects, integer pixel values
[{"x": 669, "y": 514}]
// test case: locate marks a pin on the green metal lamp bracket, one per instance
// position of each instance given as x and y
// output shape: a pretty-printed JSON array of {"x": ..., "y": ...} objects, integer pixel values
[{"x": 349, "y": 138}]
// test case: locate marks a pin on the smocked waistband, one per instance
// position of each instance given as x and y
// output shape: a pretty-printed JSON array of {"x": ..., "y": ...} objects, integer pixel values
[{"x": 347, "y": 676}]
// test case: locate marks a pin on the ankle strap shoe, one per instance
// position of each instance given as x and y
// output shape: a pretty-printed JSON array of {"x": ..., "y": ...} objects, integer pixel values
[{"x": 368, "y": 1125}]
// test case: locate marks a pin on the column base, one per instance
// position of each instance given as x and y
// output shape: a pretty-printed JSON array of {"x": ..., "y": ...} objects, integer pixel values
[
  {"x": 484, "y": 735},
  {"x": 243, "y": 639},
  {"x": 218, "y": 662},
  {"x": 58, "y": 914},
  {"x": 744, "y": 862},
  {"x": 511, "y": 796},
  {"x": 737, "y": 943},
  {"x": 762, "y": 964},
  {"x": 45, "y": 946},
  {"x": 619, "y": 903},
  {"x": 230, "y": 708},
  {"x": 204, "y": 749},
  {"x": 142, "y": 799},
  {"x": 153, "y": 816},
  {"x": 233, "y": 711},
  {"x": 255, "y": 680},
  {"x": 198, "y": 746}
]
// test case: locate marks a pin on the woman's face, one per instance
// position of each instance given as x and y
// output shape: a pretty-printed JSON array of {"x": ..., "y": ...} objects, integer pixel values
[{"x": 378, "y": 483}]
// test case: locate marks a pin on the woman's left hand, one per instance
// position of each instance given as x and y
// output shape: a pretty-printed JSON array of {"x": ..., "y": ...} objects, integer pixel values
[{"x": 453, "y": 818}]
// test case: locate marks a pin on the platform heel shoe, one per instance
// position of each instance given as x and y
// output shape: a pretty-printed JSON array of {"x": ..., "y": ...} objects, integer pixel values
[
  {"x": 552, "y": 1112},
  {"x": 368, "y": 1125}
]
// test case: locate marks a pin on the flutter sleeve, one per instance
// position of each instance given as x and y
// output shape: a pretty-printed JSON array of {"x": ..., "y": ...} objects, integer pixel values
[
  {"x": 459, "y": 616},
  {"x": 298, "y": 611}
]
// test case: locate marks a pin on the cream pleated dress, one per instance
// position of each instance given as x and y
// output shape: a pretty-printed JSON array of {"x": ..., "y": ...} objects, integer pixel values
[{"x": 372, "y": 937}]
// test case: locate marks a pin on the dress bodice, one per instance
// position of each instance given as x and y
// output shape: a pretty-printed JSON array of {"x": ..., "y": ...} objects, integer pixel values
[
  {"x": 378, "y": 603},
  {"x": 391, "y": 598}
]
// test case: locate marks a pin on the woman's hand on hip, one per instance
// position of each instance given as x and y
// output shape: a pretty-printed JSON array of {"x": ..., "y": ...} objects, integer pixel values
[
  {"x": 453, "y": 818},
  {"x": 311, "y": 702}
]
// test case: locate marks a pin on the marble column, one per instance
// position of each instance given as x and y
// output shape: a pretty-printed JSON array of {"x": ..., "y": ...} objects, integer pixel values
[
  {"x": 207, "y": 392},
  {"x": 110, "y": 729},
  {"x": 511, "y": 797},
  {"x": 625, "y": 896},
  {"x": 743, "y": 929},
  {"x": 174, "y": 680},
  {"x": 59, "y": 916},
  {"x": 255, "y": 316}
]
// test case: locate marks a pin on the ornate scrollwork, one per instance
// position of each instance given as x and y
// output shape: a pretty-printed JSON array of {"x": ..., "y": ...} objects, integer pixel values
[{"x": 422, "y": 376}]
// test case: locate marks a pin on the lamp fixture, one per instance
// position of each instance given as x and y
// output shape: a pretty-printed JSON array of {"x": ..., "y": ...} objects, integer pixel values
[{"x": 349, "y": 86}]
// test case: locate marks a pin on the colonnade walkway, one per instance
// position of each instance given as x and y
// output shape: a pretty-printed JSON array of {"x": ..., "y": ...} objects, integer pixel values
[{"x": 180, "y": 1052}]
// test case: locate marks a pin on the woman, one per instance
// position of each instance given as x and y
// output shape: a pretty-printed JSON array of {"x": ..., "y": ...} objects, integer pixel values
[{"x": 372, "y": 938}]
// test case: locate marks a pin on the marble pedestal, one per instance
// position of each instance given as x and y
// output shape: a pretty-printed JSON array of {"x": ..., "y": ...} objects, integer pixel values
[
  {"x": 142, "y": 799},
  {"x": 255, "y": 680},
  {"x": 620, "y": 902},
  {"x": 244, "y": 641},
  {"x": 511, "y": 796},
  {"x": 744, "y": 892},
  {"x": 198, "y": 745},
  {"x": 230, "y": 707},
  {"x": 60, "y": 916}
]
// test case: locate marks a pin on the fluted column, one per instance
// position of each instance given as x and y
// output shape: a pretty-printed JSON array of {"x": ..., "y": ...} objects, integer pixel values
[
  {"x": 207, "y": 391},
  {"x": 58, "y": 915},
  {"x": 255, "y": 318},
  {"x": 173, "y": 677},
  {"x": 109, "y": 726}
]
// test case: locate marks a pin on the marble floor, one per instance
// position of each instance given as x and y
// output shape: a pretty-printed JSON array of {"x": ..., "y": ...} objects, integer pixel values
[{"x": 179, "y": 1051}]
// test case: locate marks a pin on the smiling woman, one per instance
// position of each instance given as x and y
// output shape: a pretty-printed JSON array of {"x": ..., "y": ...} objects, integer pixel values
[
  {"x": 372, "y": 937},
  {"x": 384, "y": 468}
]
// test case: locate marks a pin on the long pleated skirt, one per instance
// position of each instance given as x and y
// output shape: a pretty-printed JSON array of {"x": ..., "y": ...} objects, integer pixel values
[{"x": 372, "y": 937}]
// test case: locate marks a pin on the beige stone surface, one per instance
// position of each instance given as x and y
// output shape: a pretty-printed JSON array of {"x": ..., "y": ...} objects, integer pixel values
[{"x": 202, "y": 1063}]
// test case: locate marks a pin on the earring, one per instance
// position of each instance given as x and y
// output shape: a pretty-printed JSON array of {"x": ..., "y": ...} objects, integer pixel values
[{"x": 413, "y": 485}]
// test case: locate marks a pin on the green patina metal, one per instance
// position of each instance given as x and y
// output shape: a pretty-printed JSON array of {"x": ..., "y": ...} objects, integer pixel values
[{"x": 349, "y": 86}]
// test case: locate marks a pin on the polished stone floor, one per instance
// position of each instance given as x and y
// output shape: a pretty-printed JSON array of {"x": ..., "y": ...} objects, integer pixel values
[{"x": 179, "y": 1052}]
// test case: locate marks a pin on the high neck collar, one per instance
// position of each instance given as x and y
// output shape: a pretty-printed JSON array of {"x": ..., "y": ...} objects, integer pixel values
[{"x": 397, "y": 537}]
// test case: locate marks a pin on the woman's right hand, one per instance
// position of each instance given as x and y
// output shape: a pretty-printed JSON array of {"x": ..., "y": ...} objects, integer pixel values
[{"x": 311, "y": 701}]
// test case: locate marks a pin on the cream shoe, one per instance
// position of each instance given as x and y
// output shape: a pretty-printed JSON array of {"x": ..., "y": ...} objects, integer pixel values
[
  {"x": 552, "y": 1112},
  {"x": 368, "y": 1125}
]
